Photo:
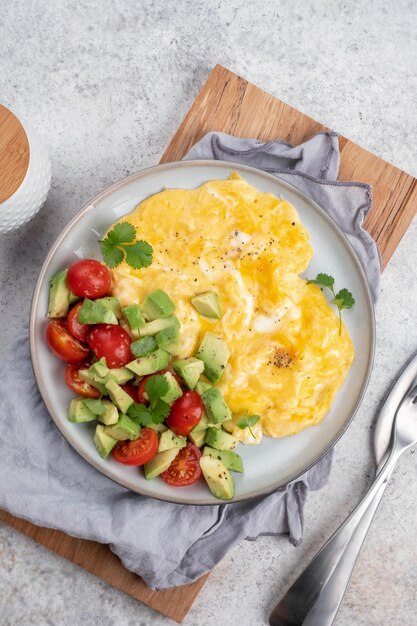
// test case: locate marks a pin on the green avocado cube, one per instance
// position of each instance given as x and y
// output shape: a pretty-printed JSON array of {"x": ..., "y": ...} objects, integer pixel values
[
  {"x": 174, "y": 390},
  {"x": 169, "y": 440},
  {"x": 189, "y": 369},
  {"x": 169, "y": 339},
  {"x": 110, "y": 415},
  {"x": 208, "y": 304},
  {"x": 112, "y": 303},
  {"x": 89, "y": 378},
  {"x": 203, "y": 424},
  {"x": 197, "y": 437},
  {"x": 79, "y": 412},
  {"x": 120, "y": 375},
  {"x": 219, "y": 439},
  {"x": 158, "y": 304},
  {"x": 118, "y": 396},
  {"x": 73, "y": 298},
  {"x": 215, "y": 406},
  {"x": 159, "y": 463},
  {"x": 231, "y": 460},
  {"x": 134, "y": 318},
  {"x": 143, "y": 346},
  {"x": 202, "y": 386},
  {"x": 103, "y": 442},
  {"x": 158, "y": 428},
  {"x": 150, "y": 363},
  {"x": 124, "y": 429},
  {"x": 59, "y": 295},
  {"x": 218, "y": 478},
  {"x": 156, "y": 326},
  {"x": 214, "y": 353},
  {"x": 95, "y": 312},
  {"x": 99, "y": 369}
]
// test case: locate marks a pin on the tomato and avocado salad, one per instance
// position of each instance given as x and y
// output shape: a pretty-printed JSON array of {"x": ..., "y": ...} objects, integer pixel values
[{"x": 152, "y": 409}]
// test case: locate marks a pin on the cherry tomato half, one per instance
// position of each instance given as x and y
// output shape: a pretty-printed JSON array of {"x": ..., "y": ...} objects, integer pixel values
[
  {"x": 131, "y": 390},
  {"x": 112, "y": 342},
  {"x": 63, "y": 345},
  {"x": 77, "y": 330},
  {"x": 139, "y": 451},
  {"x": 89, "y": 279},
  {"x": 185, "y": 413},
  {"x": 185, "y": 468},
  {"x": 77, "y": 384}
]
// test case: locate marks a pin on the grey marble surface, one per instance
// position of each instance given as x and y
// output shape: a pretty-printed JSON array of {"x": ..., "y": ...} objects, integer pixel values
[{"x": 107, "y": 84}]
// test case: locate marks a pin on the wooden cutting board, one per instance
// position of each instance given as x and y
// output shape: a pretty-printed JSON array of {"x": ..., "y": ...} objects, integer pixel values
[{"x": 230, "y": 104}]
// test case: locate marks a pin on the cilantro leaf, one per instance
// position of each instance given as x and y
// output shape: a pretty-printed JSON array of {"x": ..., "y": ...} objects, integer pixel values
[
  {"x": 95, "y": 406},
  {"x": 122, "y": 233},
  {"x": 120, "y": 244},
  {"x": 143, "y": 346},
  {"x": 247, "y": 421},
  {"x": 112, "y": 256},
  {"x": 138, "y": 254},
  {"x": 140, "y": 414},
  {"x": 156, "y": 387},
  {"x": 323, "y": 280},
  {"x": 344, "y": 299},
  {"x": 160, "y": 412}
]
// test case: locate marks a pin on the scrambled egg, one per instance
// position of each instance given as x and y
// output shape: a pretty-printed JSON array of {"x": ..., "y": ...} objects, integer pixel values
[{"x": 287, "y": 357}]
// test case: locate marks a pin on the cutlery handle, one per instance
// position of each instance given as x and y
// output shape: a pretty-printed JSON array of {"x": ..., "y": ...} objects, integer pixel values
[{"x": 294, "y": 606}]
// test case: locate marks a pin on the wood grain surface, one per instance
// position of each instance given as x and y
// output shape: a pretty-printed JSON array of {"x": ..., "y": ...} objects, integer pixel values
[
  {"x": 230, "y": 104},
  {"x": 14, "y": 153}
]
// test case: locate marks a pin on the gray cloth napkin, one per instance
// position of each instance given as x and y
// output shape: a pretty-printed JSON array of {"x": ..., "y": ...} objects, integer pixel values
[{"x": 43, "y": 480}]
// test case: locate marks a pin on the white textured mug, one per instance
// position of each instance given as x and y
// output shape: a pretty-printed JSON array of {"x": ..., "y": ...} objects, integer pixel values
[{"x": 27, "y": 198}]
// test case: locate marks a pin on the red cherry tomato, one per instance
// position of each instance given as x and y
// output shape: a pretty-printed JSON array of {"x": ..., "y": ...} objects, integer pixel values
[
  {"x": 63, "y": 345},
  {"x": 185, "y": 413},
  {"x": 77, "y": 384},
  {"x": 142, "y": 395},
  {"x": 112, "y": 342},
  {"x": 89, "y": 279},
  {"x": 131, "y": 390},
  {"x": 139, "y": 451},
  {"x": 77, "y": 330},
  {"x": 185, "y": 468}
]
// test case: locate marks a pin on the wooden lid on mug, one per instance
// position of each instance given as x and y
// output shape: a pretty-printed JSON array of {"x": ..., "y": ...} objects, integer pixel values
[{"x": 14, "y": 153}]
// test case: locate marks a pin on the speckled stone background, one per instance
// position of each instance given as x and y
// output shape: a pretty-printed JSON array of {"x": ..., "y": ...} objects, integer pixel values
[{"x": 107, "y": 84}]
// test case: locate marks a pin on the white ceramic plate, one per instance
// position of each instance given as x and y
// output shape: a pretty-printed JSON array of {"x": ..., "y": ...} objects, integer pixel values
[{"x": 276, "y": 461}]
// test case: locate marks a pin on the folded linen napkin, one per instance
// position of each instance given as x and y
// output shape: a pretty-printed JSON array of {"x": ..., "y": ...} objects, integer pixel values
[{"x": 43, "y": 480}]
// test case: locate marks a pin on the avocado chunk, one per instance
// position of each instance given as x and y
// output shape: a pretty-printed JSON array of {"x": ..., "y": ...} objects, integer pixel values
[
  {"x": 189, "y": 369},
  {"x": 169, "y": 440},
  {"x": 158, "y": 428},
  {"x": 197, "y": 437},
  {"x": 96, "y": 312},
  {"x": 159, "y": 463},
  {"x": 120, "y": 375},
  {"x": 99, "y": 369},
  {"x": 110, "y": 415},
  {"x": 59, "y": 295},
  {"x": 230, "y": 459},
  {"x": 174, "y": 390},
  {"x": 134, "y": 318},
  {"x": 120, "y": 398},
  {"x": 125, "y": 428},
  {"x": 169, "y": 339},
  {"x": 73, "y": 298},
  {"x": 89, "y": 378},
  {"x": 158, "y": 304},
  {"x": 218, "y": 478},
  {"x": 156, "y": 326},
  {"x": 112, "y": 303},
  {"x": 202, "y": 386},
  {"x": 214, "y": 353},
  {"x": 143, "y": 346},
  {"x": 150, "y": 364},
  {"x": 215, "y": 406},
  {"x": 219, "y": 439},
  {"x": 78, "y": 412},
  {"x": 103, "y": 442},
  {"x": 208, "y": 304},
  {"x": 203, "y": 424}
]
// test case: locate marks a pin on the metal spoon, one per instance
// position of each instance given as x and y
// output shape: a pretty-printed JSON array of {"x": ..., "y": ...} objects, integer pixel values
[{"x": 297, "y": 603}]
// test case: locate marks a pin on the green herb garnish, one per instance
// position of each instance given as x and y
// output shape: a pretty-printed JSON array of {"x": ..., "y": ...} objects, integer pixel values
[
  {"x": 247, "y": 421},
  {"x": 156, "y": 387},
  {"x": 120, "y": 245},
  {"x": 143, "y": 346},
  {"x": 343, "y": 299}
]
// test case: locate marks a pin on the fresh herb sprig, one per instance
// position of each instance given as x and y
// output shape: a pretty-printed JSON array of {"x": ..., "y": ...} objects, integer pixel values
[
  {"x": 156, "y": 387},
  {"x": 247, "y": 421},
  {"x": 120, "y": 244},
  {"x": 343, "y": 299}
]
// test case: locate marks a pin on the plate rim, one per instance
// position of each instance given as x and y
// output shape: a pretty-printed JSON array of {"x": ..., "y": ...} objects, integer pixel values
[{"x": 89, "y": 206}]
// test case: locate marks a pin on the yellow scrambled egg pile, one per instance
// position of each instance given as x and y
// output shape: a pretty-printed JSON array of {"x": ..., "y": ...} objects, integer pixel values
[{"x": 287, "y": 358}]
